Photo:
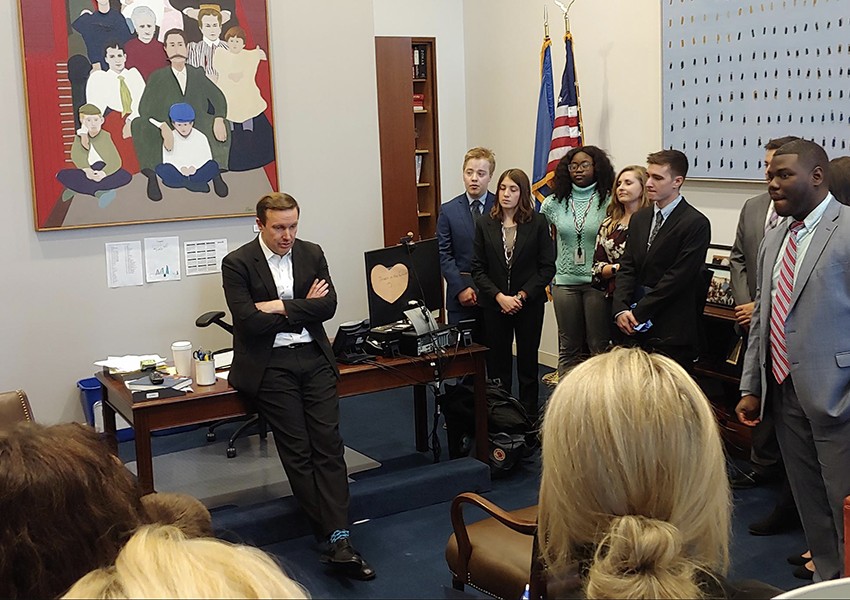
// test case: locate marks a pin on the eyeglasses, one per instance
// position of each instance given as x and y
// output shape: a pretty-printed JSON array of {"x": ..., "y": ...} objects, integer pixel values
[{"x": 582, "y": 166}]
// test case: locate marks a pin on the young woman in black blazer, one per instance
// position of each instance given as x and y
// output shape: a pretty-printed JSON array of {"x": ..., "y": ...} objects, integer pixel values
[{"x": 513, "y": 263}]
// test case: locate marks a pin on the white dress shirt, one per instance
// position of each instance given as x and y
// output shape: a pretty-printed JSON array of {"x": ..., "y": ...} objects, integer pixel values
[{"x": 281, "y": 268}]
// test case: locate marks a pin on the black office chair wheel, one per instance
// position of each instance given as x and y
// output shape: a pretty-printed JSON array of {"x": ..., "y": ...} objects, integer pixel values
[
  {"x": 211, "y": 436},
  {"x": 231, "y": 452}
]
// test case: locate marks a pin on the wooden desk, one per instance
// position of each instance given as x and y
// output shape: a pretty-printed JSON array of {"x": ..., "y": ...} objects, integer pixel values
[{"x": 220, "y": 401}]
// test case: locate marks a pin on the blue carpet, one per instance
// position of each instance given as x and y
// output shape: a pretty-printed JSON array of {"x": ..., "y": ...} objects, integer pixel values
[{"x": 406, "y": 548}]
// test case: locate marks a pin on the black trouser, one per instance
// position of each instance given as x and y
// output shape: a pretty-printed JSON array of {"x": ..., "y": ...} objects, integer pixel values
[
  {"x": 499, "y": 332},
  {"x": 298, "y": 398}
]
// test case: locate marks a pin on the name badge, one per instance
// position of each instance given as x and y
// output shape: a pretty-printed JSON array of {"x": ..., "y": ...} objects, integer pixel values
[{"x": 578, "y": 256}]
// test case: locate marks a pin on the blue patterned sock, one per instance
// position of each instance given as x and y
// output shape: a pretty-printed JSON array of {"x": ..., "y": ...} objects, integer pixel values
[{"x": 339, "y": 534}]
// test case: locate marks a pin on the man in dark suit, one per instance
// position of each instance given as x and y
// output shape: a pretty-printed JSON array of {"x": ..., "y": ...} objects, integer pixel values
[
  {"x": 456, "y": 233},
  {"x": 661, "y": 284},
  {"x": 798, "y": 359},
  {"x": 757, "y": 217},
  {"x": 279, "y": 291}
]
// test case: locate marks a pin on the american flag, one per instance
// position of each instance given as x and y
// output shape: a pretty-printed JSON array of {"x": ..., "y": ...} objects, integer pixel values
[{"x": 567, "y": 132}]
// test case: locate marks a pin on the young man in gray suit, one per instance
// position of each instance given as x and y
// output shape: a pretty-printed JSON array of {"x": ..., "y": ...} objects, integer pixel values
[
  {"x": 757, "y": 217},
  {"x": 798, "y": 358},
  {"x": 279, "y": 291}
]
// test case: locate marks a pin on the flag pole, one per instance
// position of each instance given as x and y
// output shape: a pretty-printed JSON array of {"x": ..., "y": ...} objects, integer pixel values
[{"x": 568, "y": 36}]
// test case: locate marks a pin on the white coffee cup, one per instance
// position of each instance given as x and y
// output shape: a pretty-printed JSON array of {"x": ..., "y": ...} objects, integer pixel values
[
  {"x": 182, "y": 353},
  {"x": 205, "y": 372}
]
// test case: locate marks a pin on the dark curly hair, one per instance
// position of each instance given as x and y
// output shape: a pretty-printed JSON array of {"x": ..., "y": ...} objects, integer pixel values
[
  {"x": 603, "y": 173},
  {"x": 68, "y": 505}
]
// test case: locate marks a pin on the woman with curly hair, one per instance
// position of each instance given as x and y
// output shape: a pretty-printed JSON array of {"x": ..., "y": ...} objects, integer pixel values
[{"x": 582, "y": 187}]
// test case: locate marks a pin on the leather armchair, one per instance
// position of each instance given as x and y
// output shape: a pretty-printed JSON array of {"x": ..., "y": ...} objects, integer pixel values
[
  {"x": 497, "y": 556},
  {"x": 14, "y": 407}
]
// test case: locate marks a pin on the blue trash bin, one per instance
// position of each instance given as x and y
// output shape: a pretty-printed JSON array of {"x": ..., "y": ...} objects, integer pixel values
[{"x": 91, "y": 397}]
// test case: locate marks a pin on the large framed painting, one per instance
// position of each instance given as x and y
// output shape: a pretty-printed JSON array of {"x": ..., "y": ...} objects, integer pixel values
[{"x": 145, "y": 111}]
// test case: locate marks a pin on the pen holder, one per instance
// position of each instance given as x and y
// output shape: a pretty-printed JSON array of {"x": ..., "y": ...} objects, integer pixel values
[
  {"x": 182, "y": 352},
  {"x": 205, "y": 372}
]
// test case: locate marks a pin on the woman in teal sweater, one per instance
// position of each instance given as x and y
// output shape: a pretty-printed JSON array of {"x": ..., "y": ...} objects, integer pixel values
[{"x": 582, "y": 187}]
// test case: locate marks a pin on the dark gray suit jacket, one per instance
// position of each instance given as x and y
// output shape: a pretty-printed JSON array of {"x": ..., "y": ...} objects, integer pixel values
[
  {"x": 247, "y": 279},
  {"x": 744, "y": 255}
]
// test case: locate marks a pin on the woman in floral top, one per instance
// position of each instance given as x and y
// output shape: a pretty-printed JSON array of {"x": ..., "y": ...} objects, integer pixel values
[{"x": 628, "y": 196}]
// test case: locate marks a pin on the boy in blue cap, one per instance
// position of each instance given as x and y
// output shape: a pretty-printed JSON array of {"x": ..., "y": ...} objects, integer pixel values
[{"x": 186, "y": 157}]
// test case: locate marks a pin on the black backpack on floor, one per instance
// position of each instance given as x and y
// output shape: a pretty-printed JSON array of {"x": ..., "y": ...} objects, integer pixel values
[{"x": 507, "y": 421}]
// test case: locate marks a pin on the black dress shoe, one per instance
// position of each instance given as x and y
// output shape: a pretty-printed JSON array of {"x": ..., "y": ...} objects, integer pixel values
[
  {"x": 744, "y": 480},
  {"x": 802, "y": 572},
  {"x": 798, "y": 560},
  {"x": 779, "y": 521},
  {"x": 342, "y": 556}
]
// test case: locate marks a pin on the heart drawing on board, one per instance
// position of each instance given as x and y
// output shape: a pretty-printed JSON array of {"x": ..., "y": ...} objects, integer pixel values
[{"x": 389, "y": 284}]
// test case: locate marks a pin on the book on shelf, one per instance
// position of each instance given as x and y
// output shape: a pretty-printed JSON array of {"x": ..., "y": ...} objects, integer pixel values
[
  {"x": 418, "y": 158},
  {"x": 419, "y": 102},
  {"x": 419, "y": 68}
]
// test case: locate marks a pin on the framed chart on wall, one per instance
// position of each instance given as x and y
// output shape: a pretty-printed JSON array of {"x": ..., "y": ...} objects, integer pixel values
[
  {"x": 737, "y": 73},
  {"x": 144, "y": 111}
]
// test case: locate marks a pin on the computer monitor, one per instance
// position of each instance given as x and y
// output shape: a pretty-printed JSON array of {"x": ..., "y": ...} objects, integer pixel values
[{"x": 399, "y": 274}]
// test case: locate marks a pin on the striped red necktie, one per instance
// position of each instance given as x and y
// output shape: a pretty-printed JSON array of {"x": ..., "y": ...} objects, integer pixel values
[{"x": 781, "y": 303}]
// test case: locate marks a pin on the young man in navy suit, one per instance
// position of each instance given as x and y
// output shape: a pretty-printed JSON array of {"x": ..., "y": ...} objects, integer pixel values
[
  {"x": 456, "y": 233},
  {"x": 279, "y": 292}
]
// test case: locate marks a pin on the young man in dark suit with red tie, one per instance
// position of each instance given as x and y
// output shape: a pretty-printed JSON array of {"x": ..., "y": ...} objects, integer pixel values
[{"x": 279, "y": 291}]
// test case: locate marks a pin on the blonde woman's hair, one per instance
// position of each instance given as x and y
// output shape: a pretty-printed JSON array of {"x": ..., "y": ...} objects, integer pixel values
[
  {"x": 615, "y": 209},
  {"x": 634, "y": 478},
  {"x": 161, "y": 562}
]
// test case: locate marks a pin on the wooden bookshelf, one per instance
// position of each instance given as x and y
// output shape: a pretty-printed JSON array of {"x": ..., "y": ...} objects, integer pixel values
[{"x": 408, "y": 135}]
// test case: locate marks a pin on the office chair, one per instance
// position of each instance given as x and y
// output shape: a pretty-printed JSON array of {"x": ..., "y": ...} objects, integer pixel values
[{"x": 205, "y": 320}]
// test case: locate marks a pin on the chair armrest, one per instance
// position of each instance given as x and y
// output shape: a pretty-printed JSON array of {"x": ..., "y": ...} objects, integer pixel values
[{"x": 464, "y": 546}]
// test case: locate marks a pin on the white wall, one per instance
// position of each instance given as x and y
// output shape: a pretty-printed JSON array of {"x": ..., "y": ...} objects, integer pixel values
[
  {"x": 618, "y": 59},
  {"x": 57, "y": 314},
  {"x": 443, "y": 20}
]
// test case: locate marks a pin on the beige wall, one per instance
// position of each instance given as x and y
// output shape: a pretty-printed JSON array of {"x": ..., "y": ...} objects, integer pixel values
[
  {"x": 618, "y": 59},
  {"x": 57, "y": 314},
  {"x": 443, "y": 20}
]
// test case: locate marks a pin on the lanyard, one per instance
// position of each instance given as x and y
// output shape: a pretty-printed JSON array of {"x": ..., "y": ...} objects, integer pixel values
[{"x": 579, "y": 224}]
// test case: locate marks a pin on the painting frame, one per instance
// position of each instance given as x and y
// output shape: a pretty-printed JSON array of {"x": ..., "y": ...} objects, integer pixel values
[{"x": 99, "y": 151}]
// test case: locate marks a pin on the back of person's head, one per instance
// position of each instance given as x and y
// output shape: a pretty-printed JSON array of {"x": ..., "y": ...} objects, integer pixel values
[
  {"x": 839, "y": 179},
  {"x": 634, "y": 478},
  {"x": 161, "y": 562},
  {"x": 185, "y": 512},
  {"x": 676, "y": 160},
  {"x": 67, "y": 505}
]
